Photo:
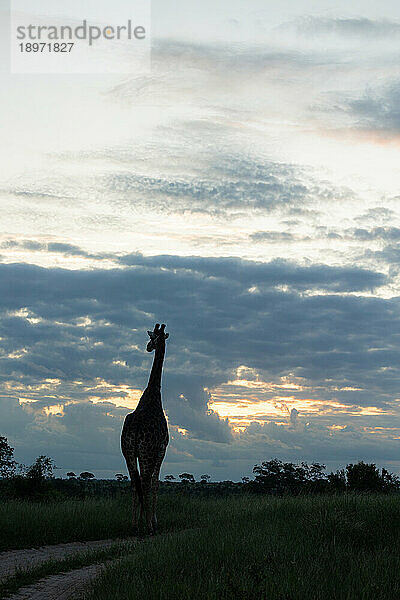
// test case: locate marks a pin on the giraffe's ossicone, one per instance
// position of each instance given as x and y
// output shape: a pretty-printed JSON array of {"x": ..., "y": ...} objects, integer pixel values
[{"x": 144, "y": 438}]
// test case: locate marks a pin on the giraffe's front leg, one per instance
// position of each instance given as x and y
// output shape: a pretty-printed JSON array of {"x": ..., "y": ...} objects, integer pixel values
[
  {"x": 154, "y": 494},
  {"x": 134, "y": 475},
  {"x": 134, "y": 511},
  {"x": 155, "y": 484}
]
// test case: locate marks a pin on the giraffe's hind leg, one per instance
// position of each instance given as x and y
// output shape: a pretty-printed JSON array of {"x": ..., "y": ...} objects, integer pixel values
[
  {"x": 154, "y": 490},
  {"x": 135, "y": 477}
]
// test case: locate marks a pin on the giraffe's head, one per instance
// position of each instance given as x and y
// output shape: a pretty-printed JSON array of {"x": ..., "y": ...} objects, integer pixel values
[{"x": 157, "y": 337}]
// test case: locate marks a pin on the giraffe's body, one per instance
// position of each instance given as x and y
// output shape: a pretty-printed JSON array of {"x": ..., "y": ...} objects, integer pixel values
[{"x": 145, "y": 437}]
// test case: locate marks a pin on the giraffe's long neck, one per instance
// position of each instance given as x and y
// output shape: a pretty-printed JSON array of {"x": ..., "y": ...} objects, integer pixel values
[{"x": 156, "y": 369}]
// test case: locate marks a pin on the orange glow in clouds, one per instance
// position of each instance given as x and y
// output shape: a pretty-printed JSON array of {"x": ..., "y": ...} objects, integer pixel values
[{"x": 247, "y": 399}]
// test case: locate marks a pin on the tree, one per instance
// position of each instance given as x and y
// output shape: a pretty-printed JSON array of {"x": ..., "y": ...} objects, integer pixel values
[
  {"x": 205, "y": 478},
  {"x": 279, "y": 477},
  {"x": 363, "y": 477},
  {"x": 390, "y": 482},
  {"x": 71, "y": 475},
  {"x": 7, "y": 462},
  {"x": 314, "y": 472},
  {"x": 169, "y": 477},
  {"x": 337, "y": 481},
  {"x": 85, "y": 476},
  {"x": 186, "y": 478},
  {"x": 41, "y": 469}
]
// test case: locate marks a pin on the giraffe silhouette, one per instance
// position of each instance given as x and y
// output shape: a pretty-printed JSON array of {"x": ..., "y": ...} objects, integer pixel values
[{"x": 144, "y": 438}]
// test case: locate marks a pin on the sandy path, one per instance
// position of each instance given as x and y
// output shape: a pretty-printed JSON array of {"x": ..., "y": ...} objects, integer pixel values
[
  {"x": 25, "y": 559},
  {"x": 63, "y": 586}
]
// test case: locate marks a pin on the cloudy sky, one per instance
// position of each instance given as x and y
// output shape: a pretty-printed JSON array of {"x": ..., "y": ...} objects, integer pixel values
[{"x": 246, "y": 192}]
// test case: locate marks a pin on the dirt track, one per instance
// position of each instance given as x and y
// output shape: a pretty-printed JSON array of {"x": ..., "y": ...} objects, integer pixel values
[
  {"x": 25, "y": 559},
  {"x": 63, "y": 586}
]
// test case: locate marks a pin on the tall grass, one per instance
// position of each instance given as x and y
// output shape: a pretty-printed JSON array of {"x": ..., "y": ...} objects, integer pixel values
[
  {"x": 319, "y": 548},
  {"x": 24, "y": 524},
  {"x": 294, "y": 548}
]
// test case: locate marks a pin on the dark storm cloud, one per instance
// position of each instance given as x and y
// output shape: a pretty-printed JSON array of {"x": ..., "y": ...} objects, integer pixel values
[
  {"x": 221, "y": 313},
  {"x": 276, "y": 272},
  {"x": 209, "y": 304}
]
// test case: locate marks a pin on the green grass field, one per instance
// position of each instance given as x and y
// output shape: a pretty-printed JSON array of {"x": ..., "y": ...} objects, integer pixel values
[
  {"x": 294, "y": 548},
  {"x": 345, "y": 547}
]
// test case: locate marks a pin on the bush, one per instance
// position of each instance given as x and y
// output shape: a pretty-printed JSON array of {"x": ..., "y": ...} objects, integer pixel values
[{"x": 7, "y": 462}]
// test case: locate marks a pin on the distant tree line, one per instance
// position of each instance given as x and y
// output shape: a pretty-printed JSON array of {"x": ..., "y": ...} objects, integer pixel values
[
  {"x": 278, "y": 477},
  {"x": 270, "y": 477},
  {"x": 34, "y": 481}
]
